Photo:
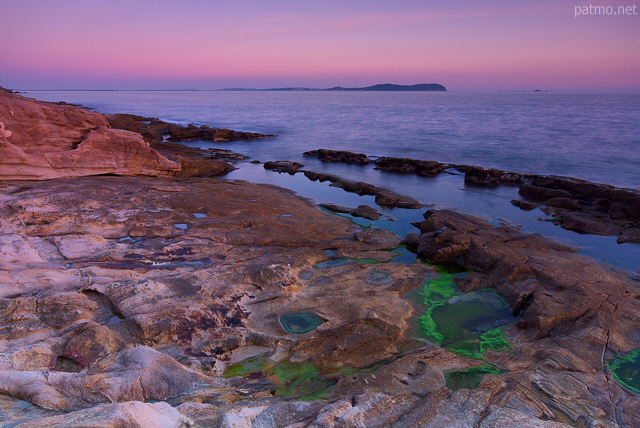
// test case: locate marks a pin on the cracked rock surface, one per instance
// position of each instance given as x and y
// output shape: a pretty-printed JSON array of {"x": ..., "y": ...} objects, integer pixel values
[{"x": 123, "y": 301}]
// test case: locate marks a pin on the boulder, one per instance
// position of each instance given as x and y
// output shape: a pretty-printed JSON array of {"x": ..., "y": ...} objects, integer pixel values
[{"x": 41, "y": 141}]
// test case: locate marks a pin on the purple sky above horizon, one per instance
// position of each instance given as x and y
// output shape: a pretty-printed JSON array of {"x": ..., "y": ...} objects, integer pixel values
[{"x": 464, "y": 45}]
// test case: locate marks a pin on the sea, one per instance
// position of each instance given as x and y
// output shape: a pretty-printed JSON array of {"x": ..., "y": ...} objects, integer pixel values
[{"x": 591, "y": 136}]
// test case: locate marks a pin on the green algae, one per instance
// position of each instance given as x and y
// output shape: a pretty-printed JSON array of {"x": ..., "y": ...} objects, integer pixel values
[
  {"x": 297, "y": 380},
  {"x": 468, "y": 379},
  {"x": 301, "y": 381},
  {"x": 300, "y": 322},
  {"x": 494, "y": 340},
  {"x": 471, "y": 313},
  {"x": 626, "y": 370},
  {"x": 435, "y": 292},
  {"x": 468, "y": 324},
  {"x": 246, "y": 367},
  {"x": 475, "y": 345},
  {"x": 448, "y": 268}
]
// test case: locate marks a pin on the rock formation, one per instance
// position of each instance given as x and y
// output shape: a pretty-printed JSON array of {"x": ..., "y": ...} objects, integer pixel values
[
  {"x": 197, "y": 302},
  {"x": 339, "y": 156},
  {"x": 156, "y": 129},
  {"x": 576, "y": 205},
  {"x": 43, "y": 140},
  {"x": 121, "y": 290}
]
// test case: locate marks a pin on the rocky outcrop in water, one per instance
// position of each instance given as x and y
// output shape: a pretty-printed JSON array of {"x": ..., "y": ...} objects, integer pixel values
[
  {"x": 574, "y": 204},
  {"x": 339, "y": 156},
  {"x": 158, "y": 130},
  {"x": 283, "y": 166},
  {"x": 384, "y": 197},
  {"x": 410, "y": 166},
  {"x": 363, "y": 211}
]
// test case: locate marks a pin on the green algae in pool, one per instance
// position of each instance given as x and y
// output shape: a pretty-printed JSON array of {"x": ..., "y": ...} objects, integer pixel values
[
  {"x": 300, "y": 322},
  {"x": 466, "y": 323},
  {"x": 471, "y": 313},
  {"x": 626, "y": 370},
  {"x": 468, "y": 379}
]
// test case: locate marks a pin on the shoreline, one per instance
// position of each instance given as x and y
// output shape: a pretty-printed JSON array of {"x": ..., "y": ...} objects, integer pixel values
[{"x": 124, "y": 290}]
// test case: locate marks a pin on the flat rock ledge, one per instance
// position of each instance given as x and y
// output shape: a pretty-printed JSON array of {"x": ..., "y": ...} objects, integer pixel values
[{"x": 125, "y": 299}]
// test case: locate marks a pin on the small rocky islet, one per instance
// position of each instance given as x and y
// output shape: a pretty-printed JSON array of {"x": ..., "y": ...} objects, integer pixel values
[{"x": 141, "y": 288}]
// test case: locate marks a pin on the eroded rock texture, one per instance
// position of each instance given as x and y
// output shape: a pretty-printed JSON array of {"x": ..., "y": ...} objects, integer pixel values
[
  {"x": 123, "y": 289},
  {"x": 124, "y": 301},
  {"x": 40, "y": 140},
  {"x": 576, "y": 316}
]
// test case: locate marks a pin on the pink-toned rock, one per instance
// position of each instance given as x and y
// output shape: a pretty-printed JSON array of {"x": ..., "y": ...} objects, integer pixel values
[{"x": 40, "y": 140}]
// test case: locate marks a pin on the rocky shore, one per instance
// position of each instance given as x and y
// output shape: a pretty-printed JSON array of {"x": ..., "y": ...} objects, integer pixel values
[
  {"x": 574, "y": 204},
  {"x": 153, "y": 292}
]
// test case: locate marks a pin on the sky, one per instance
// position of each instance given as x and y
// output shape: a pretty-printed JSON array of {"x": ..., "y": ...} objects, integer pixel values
[{"x": 179, "y": 44}]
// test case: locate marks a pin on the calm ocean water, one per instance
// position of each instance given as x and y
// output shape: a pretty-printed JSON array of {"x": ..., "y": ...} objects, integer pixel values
[{"x": 590, "y": 136}]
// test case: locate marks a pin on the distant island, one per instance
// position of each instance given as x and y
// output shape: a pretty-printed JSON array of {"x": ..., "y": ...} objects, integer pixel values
[{"x": 380, "y": 87}]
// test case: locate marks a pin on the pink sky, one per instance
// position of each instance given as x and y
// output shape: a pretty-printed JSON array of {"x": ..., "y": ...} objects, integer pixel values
[{"x": 171, "y": 44}]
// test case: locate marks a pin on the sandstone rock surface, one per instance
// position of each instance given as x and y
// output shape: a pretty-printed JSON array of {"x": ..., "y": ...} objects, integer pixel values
[
  {"x": 118, "y": 291},
  {"x": 40, "y": 140}
]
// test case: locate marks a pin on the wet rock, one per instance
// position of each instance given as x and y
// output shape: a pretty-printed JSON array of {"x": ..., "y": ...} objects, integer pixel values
[
  {"x": 540, "y": 194},
  {"x": 410, "y": 166},
  {"x": 339, "y": 156},
  {"x": 632, "y": 235},
  {"x": 491, "y": 177},
  {"x": 156, "y": 129},
  {"x": 564, "y": 203},
  {"x": 564, "y": 332},
  {"x": 383, "y": 197},
  {"x": 364, "y": 211},
  {"x": 283, "y": 166},
  {"x": 581, "y": 224},
  {"x": 527, "y": 206}
]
